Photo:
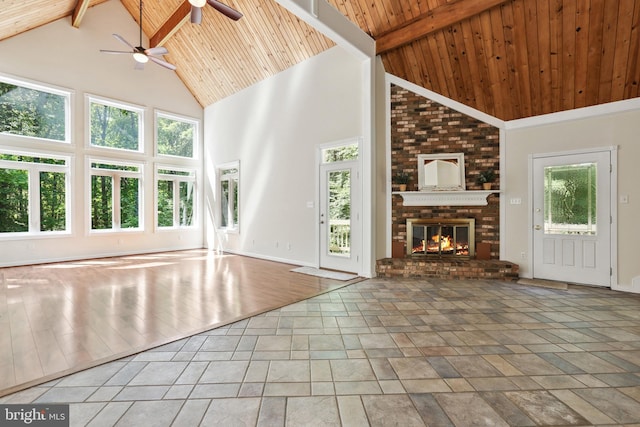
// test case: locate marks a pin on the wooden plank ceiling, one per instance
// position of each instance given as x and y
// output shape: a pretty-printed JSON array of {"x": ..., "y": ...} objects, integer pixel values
[{"x": 508, "y": 58}]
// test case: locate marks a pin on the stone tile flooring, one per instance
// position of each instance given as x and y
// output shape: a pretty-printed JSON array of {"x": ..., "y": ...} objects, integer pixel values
[{"x": 384, "y": 352}]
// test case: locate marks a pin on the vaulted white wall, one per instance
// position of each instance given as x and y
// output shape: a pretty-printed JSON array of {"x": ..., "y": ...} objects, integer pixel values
[
  {"x": 58, "y": 54},
  {"x": 274, "y": 128}
]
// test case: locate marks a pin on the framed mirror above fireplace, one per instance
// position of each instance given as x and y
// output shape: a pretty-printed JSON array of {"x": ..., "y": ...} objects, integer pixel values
[{"x": 441, "y": 172}]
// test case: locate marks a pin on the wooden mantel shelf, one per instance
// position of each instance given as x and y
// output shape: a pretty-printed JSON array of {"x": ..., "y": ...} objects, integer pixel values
[{"x": 445, "y": 198}]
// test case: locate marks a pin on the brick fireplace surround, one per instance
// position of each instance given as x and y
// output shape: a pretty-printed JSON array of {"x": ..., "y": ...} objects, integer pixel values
[{"x": 422, "y": 126}]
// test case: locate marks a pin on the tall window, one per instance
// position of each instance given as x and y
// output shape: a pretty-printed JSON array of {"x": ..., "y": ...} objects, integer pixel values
[
  {"x": 33, "y": 193},
  {"x": 229, "y": 179},
  {"x": 33, "y": 111},
  {"x": 175, "y": 197},
  {"x": 116, "y": 195},
  {"x": 175, "y": 136},
  {"x": 115, "y": 125}
]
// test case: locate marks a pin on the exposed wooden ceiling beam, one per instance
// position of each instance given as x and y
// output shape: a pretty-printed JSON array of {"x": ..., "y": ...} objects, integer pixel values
[
  {"x": 171, "y": 25},
  {"x": 78, "y": 12},
  {"x": 434, "y": 20}
]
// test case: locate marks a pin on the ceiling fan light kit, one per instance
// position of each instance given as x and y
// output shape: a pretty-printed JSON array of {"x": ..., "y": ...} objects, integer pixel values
[
  {"x": 141, "y": 57},
  {"x": 197, "y": 5},
  {"x": 140, "y": 54}
]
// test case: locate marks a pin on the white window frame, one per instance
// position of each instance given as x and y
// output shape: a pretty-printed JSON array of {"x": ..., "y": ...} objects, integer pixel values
[
  {"x": 115, "y": 203},
  {"x": 93, "y": 99},
  {"x": 179, "y": 118},
  {"x": 232, "y": 178},
  {"x": 176, "y": 179},
  {"x": 34, "y": 170},
  {"x": 65, "y": 93}
]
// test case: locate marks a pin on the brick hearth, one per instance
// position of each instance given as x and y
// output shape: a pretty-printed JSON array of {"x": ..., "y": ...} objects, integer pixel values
[{"x": 447, "y": 269}]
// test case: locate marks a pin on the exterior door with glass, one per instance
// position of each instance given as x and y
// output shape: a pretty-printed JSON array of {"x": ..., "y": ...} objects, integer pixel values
[
  {"x": 339, "y": 216},
  {"x": 572, "y": 218}
]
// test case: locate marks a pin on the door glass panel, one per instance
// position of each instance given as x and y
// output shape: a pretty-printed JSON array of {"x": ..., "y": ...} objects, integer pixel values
[
  {"x": 339, "y": 212},
  {"x": 570, "y": 199}
]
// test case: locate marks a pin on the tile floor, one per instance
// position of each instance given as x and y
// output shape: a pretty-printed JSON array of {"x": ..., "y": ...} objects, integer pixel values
[{"x": 384, "y": 352}]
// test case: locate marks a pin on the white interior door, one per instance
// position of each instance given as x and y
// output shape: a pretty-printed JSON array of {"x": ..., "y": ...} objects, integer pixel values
[
  {"x": 572, "y": 218},
  {"x": 340, "y": 216}
]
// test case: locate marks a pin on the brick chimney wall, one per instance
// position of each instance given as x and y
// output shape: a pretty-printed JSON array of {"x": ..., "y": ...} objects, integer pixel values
[{"x": 422, "y": 126}]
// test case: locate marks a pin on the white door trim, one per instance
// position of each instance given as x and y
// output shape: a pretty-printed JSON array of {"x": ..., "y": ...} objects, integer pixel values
[
  {"x": 357, "y": 236},
  {"x": 613, "y": 193}
]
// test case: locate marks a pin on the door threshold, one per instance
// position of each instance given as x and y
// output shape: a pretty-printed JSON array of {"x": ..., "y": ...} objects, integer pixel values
[{"x": 542, "y": 283}]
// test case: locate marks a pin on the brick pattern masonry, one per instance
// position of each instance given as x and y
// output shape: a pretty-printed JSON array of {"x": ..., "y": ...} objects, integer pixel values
[{"x": 422, "y": 126}]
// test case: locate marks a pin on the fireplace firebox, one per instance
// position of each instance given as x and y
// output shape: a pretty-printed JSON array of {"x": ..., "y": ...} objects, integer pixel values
[{"x": 441, "y": 237}]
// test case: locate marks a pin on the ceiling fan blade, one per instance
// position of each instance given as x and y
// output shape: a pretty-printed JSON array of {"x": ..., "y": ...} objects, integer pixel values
[
  {"x": 122, "y": 40},
  {"x": 227, "y": 11},
  {"x": 196, "y": 15},
  {"x": 165, "y": 64},
  {"x": 115, "y": 51},
  {"x": 160, "y": 50}
]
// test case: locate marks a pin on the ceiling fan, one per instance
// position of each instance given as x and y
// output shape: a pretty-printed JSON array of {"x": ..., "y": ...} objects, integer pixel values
[
  {"x": 141, "y": 54},
  {"x": 197, "y": 5}
]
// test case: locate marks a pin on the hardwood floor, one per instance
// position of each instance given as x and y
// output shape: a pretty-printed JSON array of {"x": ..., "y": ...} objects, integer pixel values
[{"x": 60, "y": 318}]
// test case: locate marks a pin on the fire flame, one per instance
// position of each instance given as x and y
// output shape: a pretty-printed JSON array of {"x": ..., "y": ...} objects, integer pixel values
[
  {"x": 445, "y": 242},
  {"x": 441, "y": 244}
]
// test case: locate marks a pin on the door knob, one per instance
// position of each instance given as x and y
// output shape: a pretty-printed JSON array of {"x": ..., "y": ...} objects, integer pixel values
[{"x": 538, "y": 227}]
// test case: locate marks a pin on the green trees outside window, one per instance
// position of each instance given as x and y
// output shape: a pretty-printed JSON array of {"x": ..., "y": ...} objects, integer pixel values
[
  {"x": 176, "y": 190},
  {"x": 186, "y": 204},
  {"x": 175, "y": 137},
  {"x": 339, "y": 198},
  {"x": 101, "y": 202},
  {"x": 53, "y": 213},
  {"x": 229, "y": 197},
  {"x": 115, "y": 196},
  {"x": 34, "y": 113},
  {"x": 114, "y": 126},
  {"x": 129, "y": 202},
  {"x": 165, "y": 203},
  {"x": 33, "y": 193},
  {"x": 340, "y": 154},
  {"x": 36, "y": 186},
  {"x": 14, "y": 200}
]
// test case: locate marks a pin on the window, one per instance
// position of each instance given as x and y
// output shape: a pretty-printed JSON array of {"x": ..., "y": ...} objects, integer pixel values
[
  {"x": 116, "y": 195},
  {"x": 175, "y": 196},
  {"x": 114, "y": 125},
  {"x": 33, "y": 193},
  {"x": 175, "y": 136},
  {"x": 229, "y": 178},
  {"x": 340, "y": 153},
  {"x": 34, "y": 111}
]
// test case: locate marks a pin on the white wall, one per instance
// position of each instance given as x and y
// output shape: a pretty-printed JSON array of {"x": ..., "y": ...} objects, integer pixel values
[
  {"x": 599, "y": 127},
  {"x": 273, "y": 128},
  {"x": 60, "y": 55}
]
